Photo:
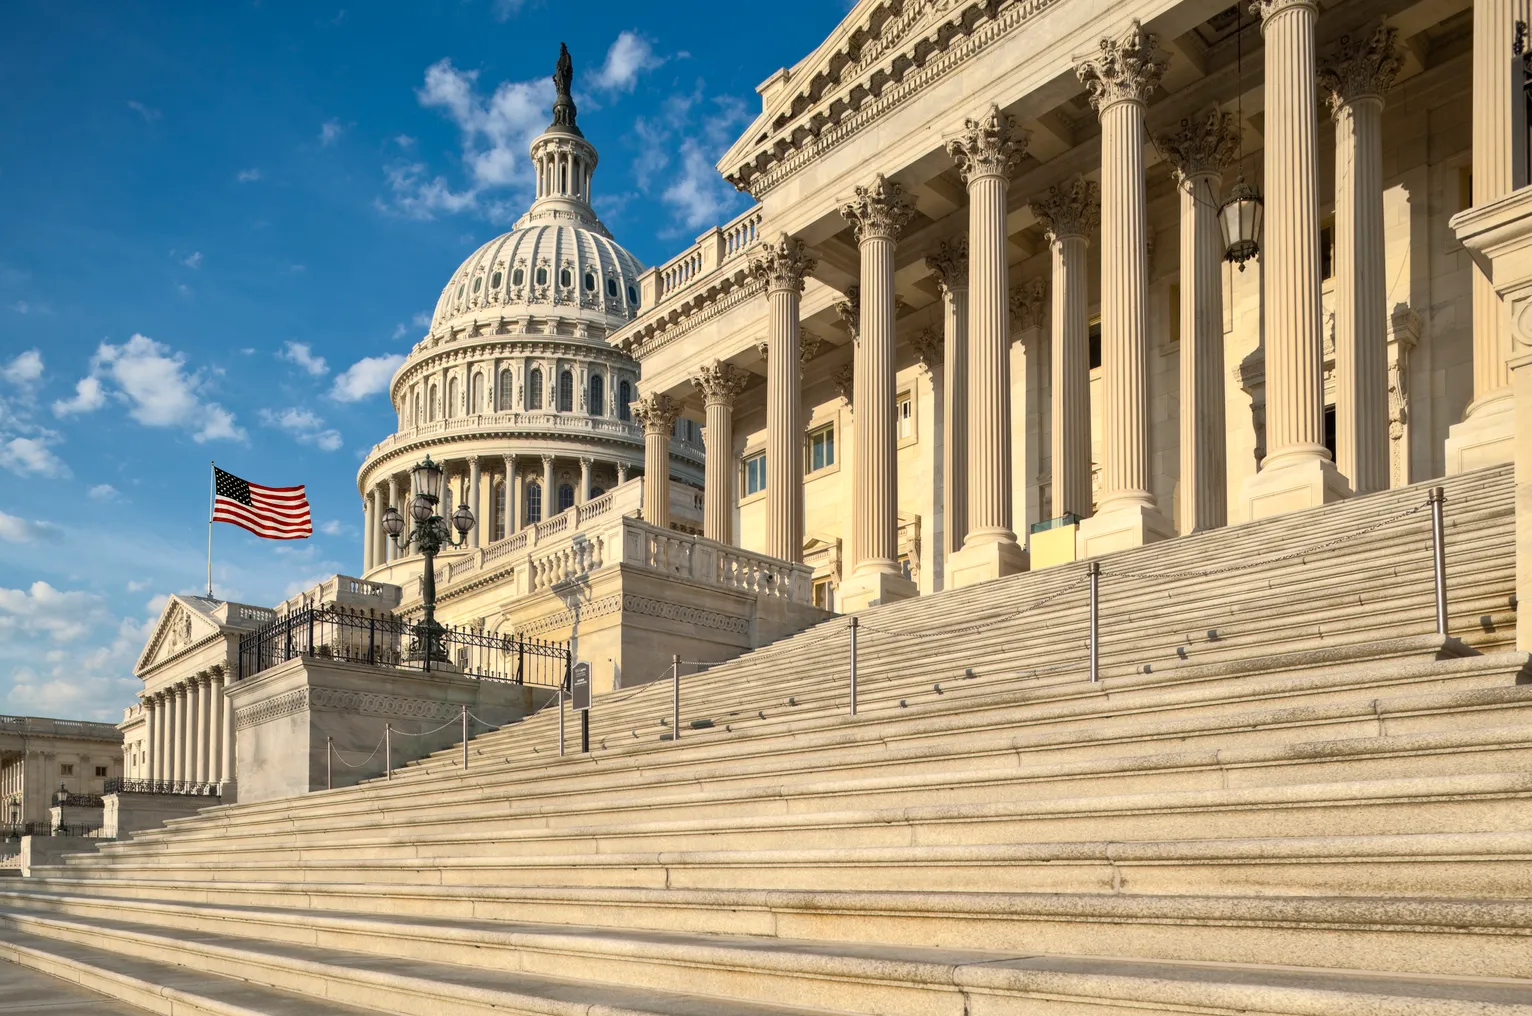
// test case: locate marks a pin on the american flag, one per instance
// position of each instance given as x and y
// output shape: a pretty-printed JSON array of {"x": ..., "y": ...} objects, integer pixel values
[{"x": 276, "y": 513}]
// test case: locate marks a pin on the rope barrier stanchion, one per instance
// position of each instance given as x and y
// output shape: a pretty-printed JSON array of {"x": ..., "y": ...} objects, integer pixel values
[
  {"x": 853, "y": 664},
  {"x": 465, "y": 739},
  {"x": 388, "y": 750},
  {"x": 1094, "y": 571},
  {"x": 1438, "y": 498},
  {"x": 675, "y": 698}
]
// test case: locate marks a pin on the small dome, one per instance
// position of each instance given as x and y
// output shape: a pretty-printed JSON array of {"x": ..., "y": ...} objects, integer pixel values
[{"x": 553, "y": 269}]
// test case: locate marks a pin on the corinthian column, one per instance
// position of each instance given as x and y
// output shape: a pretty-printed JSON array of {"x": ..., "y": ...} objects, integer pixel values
[
  {"x": 720, "y": 384},
  {"x": 473, "y": 499},
  {"x": 1199, "y": 151},
  {"x": 181, "y": 757},
  {"x": 950, "y": 266},
  {"x": 657, "y": 414},
  {"x": 783, "y": 266},
  {"x": 1068, "y": 214},
  {"x": 1119, "y": 79},
  {"x": 878, "y": 215},
  {"x": 510, "y": 495},
  {"x": 1486, "y": 435},
  {"x": 986, "y": 153},
  {"x": 1355, "y": 80},
  {"x": 1297, "y": 472}
]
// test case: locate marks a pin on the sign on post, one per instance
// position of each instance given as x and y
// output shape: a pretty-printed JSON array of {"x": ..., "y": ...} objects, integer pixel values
[{"x": 579, "y": 687}]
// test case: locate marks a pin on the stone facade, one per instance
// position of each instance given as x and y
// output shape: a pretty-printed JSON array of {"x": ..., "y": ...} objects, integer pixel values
[{"x": 39, "y": 757}]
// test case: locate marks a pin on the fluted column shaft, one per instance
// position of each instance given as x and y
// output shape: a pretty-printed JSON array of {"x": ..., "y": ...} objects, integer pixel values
[
  {"x": 1290, "y": 259},
  {"x": 783, "y": 265},
  {"x": 1204, "y": 457},
  {"x": 658, "y": 414},
  {"x": 550, "y": 494},
  {"x": 720, "y": 384},
  {"x": 955, "y": 411},
  {"x": 510, "y": 494},
  {"x": 215, "y": 728},
  {"x": 201, "y": 723},
  {"x": 369, "y": 523},
  {"x": 178, "y": 735},
  {"x": 989, "y": 387},
  {"x": 226, "y": 738},
  {"x": 153, "y": 719},
  {"x": 1070, "y": 382},
  {"x": 473, "y": 499}
]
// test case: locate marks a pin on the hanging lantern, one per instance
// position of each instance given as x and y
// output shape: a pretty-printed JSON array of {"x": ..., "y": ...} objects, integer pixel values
[{"x": 1240, "y": 219}]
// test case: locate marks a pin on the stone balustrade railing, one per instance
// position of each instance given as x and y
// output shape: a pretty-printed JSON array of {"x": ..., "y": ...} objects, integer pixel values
[
  {"x": 716, "y": 247},
  {"x": 605, "y": 531}
]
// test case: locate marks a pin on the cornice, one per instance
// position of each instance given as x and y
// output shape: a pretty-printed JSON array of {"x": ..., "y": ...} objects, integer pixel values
[{"x": 714, "y": 301}]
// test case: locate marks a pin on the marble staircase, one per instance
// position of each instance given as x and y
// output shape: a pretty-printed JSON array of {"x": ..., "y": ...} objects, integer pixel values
[{"x": 1287, "y": 794}]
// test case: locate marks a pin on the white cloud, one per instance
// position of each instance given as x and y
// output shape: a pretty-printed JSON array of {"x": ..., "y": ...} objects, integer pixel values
[
  {"x": 301, "y": 354},
  {"x": 193, "y": 260},
  {"x": 31, "y": 456},
  {"x": 24, "y": 368},
  {"x": 367, "y": 376},
  {"x": 248, "y": 175},
  {"x": 23, "y": 307},
  {"x": 88, "y": 397},
  {"x": 629, "y": 56},
  {"x": 331, "y": 528},
  {"x": 696, "y": 131},
  {"x": 330, "y": 132},
  {"x": 504, "y": 10},
  {"x": 422, "y": 319},
  {"x": 102, "y": 492},
  {"x": 149, "y": 115},
  {"x": 305, "y": 426},
  {"x": 67, "y": 669},
  {"x": 19, "y": 530},
  {"x": 152, "y": 378},
  {"x": 495, "y": 131},
  {"x": 62, "y": 615}
]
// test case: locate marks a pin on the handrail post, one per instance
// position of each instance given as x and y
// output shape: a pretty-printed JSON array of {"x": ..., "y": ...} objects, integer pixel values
[
  {"x": 675, "y": 697},
  {"x": 465, "y": 739},
  {"x": 1094, "y": 571},
  {"x": 1437, "y": 498},
  {"x": 853, "y": 664},
  {"x": 388, "y": 749}
]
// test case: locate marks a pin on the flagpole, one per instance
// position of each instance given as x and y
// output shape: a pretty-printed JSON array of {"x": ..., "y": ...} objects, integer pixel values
[{"x": 211, "y": 473}]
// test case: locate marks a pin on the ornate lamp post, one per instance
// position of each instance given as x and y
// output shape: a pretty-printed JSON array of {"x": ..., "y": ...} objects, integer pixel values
[{"x": 431, "y": 534}]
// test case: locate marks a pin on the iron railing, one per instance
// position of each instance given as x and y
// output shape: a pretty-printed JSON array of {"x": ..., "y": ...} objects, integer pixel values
[
  {"x": 21, "y": 829},
  {"x": 191, "y": 788},
  {"x": 334, "y": 634},
  {"x": 61, "y": 797}
]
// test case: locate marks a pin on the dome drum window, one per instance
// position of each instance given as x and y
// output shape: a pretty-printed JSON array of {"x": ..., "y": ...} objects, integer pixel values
[
  {"x": 566, "y": 279},
  {"x": 633, "y": 295},
  {"x": 494, "y": 280},
  {"x": 477, "y": 283},
  {"x": 542, "y": 276},
  {"x": 590, "y": 282},
  {"x": 518, "y": 277},
  {"x": 611, "y": 288}
]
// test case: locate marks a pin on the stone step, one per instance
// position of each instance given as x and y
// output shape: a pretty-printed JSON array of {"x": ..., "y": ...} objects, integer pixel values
[
  {"x": 1053, "y": 725},
  {"x": 475, "y": 967},
  {"x": 1444, "y": 865}
]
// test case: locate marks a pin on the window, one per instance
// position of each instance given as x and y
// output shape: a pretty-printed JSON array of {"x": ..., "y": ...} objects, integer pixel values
[
  {"x": 824, "y": 594},
  {"x": 431, "y": 406},
  {"x": 1095, "y": 344},
  {"x": 590, "y": 282},
  {"x": 624, "y": 397},
  {"x": 566, "y": 392},
  {"x": 451, "y": 406},
  {"x": 535, "y": 389},
  {"x": 904, "y": 416},
  {"x": 565, "y": 279},
  {"x": 611, "y": 288},
  {"x": 507, "y": 389},
  {"x": 518, "y": 277},
  {"x": 566, "y": 497},
  {"x": 534, "y": 501},
  {"x": 494, "y": 280},
  {"x": 101, "y": 770},
  {"x": 497, "y": 509},
  {"x": 755, "y": 473},
  {"x": 461, "y": 286},
  {"x": 633, "y": 295},
  {"x": 542, "y": 276},
  {"x": 822, "y": 448},
  {"x": 477, "y": 403},
  {"x": 477, "y": 282},
  {"x": 597, "y": 396},
  {"x": 66, "y": 769}
]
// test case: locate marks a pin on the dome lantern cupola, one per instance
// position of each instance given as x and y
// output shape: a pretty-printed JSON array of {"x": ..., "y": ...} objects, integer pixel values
[{"x": 565, "y": 161}]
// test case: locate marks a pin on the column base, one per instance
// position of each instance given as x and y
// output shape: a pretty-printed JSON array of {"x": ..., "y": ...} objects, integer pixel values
[
  {"x": 1485, "y": 437},
  {"x": 1122, "y": 527},
  {"x": 869, "y": 588},
  {"x": 985, "y": 562},
  {"x": 1290, "y": 487}
]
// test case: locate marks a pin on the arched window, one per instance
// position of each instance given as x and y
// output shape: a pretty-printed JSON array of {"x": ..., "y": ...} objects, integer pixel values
[
  {"x": 535, "y": 389},
  {"x": 431, "y": 405},
  {"x": 534, "y": 499},
  {"x": 497, "y": 509},
  {"x": 566, "y": 392},
  {"x": 507, "y": 390},
  {"x": 477, "y": 406},
  {"x": 451, "y": 407},
  {"x": 597, "y": 395},
  {"x": 566, "y": 497},
  {"x": 624, "y": 396}
]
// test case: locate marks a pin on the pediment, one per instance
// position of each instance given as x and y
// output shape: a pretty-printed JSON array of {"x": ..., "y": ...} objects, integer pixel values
[{"x": 182, "y": 624}]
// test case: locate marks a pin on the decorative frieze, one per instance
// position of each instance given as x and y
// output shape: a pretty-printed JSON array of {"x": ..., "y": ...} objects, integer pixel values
[
  {"x": 1127, "y": 68},
  {"x": 990, "y": 145}
]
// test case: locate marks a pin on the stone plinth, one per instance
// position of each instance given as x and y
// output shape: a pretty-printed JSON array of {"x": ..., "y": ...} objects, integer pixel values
[
  {"x": 127, "y": 813},
  {"x": 1499, "y": 236},
  {"x": 44, "y": 851}
]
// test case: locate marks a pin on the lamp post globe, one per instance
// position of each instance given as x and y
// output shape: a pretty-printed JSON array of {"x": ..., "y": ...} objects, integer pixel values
[{"x": 393, "y": 522}]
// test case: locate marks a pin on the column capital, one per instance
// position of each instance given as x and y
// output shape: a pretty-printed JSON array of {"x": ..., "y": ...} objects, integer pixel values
[
  {"x": 586, "y": 462},
  {"x": 1027, "y": 302},
  {"x": 950, "y": 264},
  {"x": 1267, "y": 9},
  {"x": 1205, "y": 143},
  {"x": 1360, "y": 69},
  {"x": 548, "y": 459},
  {"x": 879, "y": 211},
  {"x": 656, "y": 412},
  {"x": 1069, "y": 209},
  {"x": 989, "y": 145},
  {"x": 782, "y": 264},
  {"x": 843, "y": 380},
  {"x": 1126, "y": 69},
  {"x": 850, "y": 311},
  {"x": 927, "y": 344}
]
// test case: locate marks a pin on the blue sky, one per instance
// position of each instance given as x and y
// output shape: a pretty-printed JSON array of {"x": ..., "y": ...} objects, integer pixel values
[{"x": 222, "y": 224}]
